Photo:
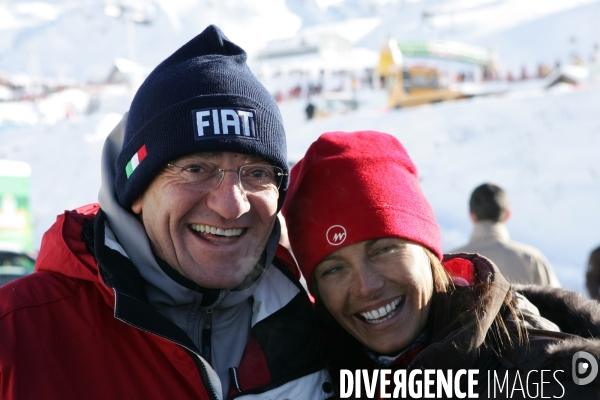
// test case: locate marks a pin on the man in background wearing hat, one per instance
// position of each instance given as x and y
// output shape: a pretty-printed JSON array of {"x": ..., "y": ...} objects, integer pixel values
[{"x": 173, "y": 286}]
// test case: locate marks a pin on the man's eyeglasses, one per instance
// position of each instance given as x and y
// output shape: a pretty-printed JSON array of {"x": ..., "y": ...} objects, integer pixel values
[{"x": 207, "y": 175}]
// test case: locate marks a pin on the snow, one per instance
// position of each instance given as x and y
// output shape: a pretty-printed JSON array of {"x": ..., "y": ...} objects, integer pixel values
[
  {"x": 482, "y": 18},
  {"x": 554, "y": 37},
  {"x": 15, "y": 169},
  {"x": 50, "y": 109},
  {"x": 540, "y": 145},
  {"x": 78, "y": 40},
  {"x": 64, "y": 156},
  {"x": 62, "y": 38}
]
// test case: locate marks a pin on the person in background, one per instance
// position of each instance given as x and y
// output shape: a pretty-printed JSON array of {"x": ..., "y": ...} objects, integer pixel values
[
  {"x": 592, "y": 276},
  {"x": 310, "y": 110},
  {"x": 173, "y": 286},
  {"x": 368, "y": 244},
  {"x": 519, "y": 263}
]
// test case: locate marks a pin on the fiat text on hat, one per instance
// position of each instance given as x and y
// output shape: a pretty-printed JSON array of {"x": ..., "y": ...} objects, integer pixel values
[{"x": 218, "y": 121}]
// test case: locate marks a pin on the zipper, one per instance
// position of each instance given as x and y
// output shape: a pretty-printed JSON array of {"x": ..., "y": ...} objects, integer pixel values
[
  {"x": 203, "y": 374},
  {"x": 195, "y": 357},
  {"x": 233, "y": 376},
  {"x": 207, "y": 336}
]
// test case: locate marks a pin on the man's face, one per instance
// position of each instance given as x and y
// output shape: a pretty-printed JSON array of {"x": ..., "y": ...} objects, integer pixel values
[{"x": 179, "y": 219}]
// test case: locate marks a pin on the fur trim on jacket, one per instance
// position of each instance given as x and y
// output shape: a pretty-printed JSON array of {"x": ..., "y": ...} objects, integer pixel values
[{"x": 577, "y": 318}]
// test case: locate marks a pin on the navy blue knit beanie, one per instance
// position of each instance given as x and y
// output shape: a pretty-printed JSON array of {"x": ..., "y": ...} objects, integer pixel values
[{"x": 202, "y": 98}]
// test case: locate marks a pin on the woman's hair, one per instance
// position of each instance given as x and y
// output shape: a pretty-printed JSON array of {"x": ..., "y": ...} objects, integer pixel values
[{"x": 452, "y": 307}]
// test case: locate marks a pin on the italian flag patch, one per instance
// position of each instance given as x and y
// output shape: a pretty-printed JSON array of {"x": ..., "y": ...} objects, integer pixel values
[{"x": 135, "y": 161}]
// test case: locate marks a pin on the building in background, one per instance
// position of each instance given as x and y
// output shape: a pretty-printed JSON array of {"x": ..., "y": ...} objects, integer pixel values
[{"x": 16, "y": 226}]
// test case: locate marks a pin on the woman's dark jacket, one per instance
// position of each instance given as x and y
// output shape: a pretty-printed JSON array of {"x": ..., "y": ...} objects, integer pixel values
[{"x": 556, "y": 324}]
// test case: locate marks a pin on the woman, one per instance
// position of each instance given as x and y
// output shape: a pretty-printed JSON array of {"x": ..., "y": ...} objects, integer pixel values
[{"x": 369, "y": 246}]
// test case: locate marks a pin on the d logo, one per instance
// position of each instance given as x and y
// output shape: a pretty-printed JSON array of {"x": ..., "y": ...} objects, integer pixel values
[
  {"x": 336, "y": 235},
  {"x": 582, "y": 362}
]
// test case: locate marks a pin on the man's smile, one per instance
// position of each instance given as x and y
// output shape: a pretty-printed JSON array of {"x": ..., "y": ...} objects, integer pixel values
[{"x": 201, "y": 228}]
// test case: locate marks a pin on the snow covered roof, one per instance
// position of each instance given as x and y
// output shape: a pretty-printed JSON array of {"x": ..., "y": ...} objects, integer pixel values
[{"x": 14, "y": 168}]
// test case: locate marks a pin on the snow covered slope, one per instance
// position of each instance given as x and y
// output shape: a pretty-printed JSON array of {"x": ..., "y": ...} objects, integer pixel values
[
  {"x": 551, "y": 38},
  {"x": 76, "y": 39}
]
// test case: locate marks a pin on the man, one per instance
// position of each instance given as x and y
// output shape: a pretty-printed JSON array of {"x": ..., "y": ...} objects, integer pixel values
[
  {"x": 174, "y": 285},
  {"x": 519, "y": 263},
  {"x": 592, "y": 275}
]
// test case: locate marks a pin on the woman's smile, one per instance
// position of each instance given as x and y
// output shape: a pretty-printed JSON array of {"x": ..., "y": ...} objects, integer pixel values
[{"x": 383, "y": 313}]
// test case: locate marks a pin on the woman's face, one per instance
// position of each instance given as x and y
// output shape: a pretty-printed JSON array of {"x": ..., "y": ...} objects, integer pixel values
[{"x": 378, "y": 290}]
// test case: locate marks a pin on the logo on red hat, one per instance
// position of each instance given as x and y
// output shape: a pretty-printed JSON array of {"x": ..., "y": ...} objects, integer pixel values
[{"x": 336, "y": 235}]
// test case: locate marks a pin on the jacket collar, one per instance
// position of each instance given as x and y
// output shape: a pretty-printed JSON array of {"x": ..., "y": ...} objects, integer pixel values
[
  {"x": 463, "y": 342},
  {"x": 490, "y": 230},
  {"x": 131, "y": 303}
]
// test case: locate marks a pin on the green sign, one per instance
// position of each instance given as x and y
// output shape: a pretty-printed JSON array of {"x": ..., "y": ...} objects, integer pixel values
[
  {"x": 16, "y": 225},
  {"x": 447, "y": 49}
]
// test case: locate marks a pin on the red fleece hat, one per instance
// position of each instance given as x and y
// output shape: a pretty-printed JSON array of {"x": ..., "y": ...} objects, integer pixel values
[{"x": 352, "y": 187}]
